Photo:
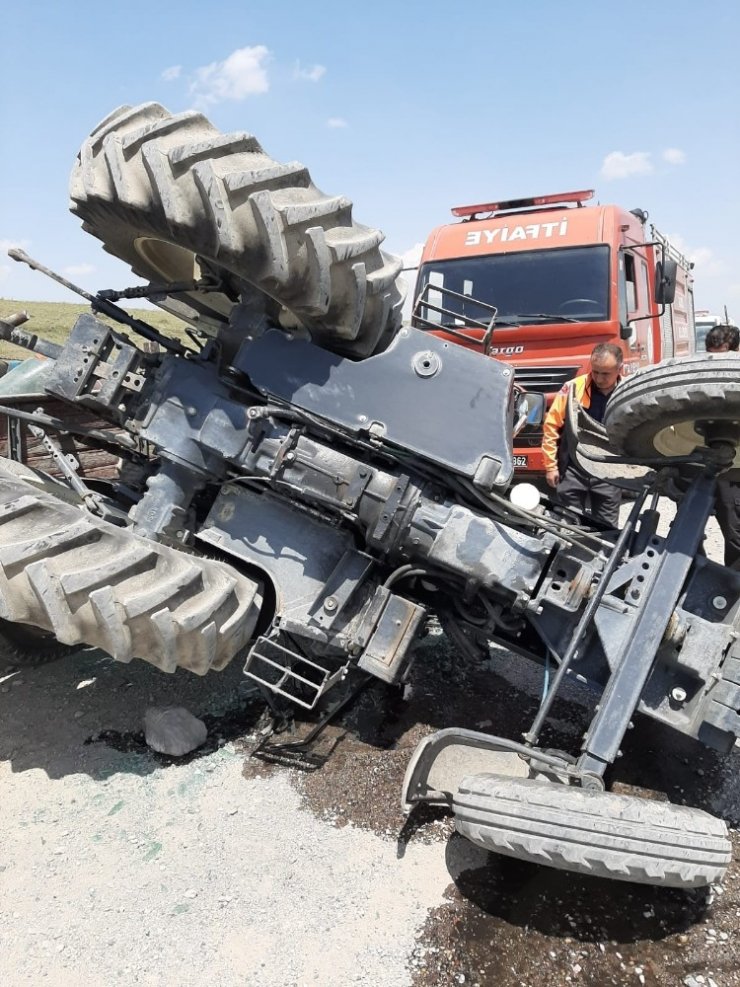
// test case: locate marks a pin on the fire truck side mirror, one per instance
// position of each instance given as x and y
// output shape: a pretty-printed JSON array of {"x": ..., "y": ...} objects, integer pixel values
[
  {"x": 625, "y": 331},
  {"x": 665, "y": 281},
  {"x": 529, "y": 410}
]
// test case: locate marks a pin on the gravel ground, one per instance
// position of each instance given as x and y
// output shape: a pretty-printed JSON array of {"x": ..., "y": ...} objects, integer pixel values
[
  {"x": 118, "y": 865},
  {"x": 119, "y": 868}
]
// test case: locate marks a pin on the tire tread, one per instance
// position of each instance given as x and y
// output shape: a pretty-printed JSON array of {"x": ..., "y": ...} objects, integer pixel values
[
  {"x": 89, "y": 582},
  {"x": 603, "y": 834},
  {"x": 145, "y": 173}
]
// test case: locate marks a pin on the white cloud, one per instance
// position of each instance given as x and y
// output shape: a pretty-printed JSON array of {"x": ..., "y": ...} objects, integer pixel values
[
  {"x": 621, "y": 165},
  {"x": 705, "y": 261},
  {"x": 7, "y": 268},
  {"x": 336, "y": 122},
  {"x": 172, "y": 73},
  {"x": 674, "y": 155},
  {"x": 6, "y": 245},
  {"x": 679, "y": 243},
  {"x": 412, "y": 256},
  {"x": 79, "y": 269},
  {"x": 240, "y": 75},
  {"x": 708, "y": 264},
  {"x": 310, "y": 75}
]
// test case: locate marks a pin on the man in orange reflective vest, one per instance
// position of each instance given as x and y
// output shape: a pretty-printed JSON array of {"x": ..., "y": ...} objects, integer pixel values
[{"x": 575, "y": 489}]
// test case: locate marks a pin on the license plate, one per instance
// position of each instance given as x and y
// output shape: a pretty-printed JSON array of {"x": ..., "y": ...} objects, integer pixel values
[{"x": 520, "y": 461}]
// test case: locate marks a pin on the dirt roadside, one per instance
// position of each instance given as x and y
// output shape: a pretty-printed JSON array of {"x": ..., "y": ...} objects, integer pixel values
[{"x": 119, "y": 866}]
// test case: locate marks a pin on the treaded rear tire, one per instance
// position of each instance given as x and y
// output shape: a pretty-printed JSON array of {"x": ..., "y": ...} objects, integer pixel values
[
  {"x": 22, "y": 646},
  {"x": 157, "y": 189},
  {"x": 651, "y": 413},
  {"x": 597, "y": 833},
  {"x": 84, "y": 580}
]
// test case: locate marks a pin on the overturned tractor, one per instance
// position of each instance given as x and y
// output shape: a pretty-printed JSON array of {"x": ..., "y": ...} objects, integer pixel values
[{"x": 305, "y": 482}]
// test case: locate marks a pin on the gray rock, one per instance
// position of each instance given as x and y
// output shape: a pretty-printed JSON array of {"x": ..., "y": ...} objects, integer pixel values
[{"x": 172, "y": 730}]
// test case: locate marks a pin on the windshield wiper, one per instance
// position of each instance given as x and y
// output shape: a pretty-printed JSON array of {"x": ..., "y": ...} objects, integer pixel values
[
  {"x": 555, "y": 316},
  {"x": 513, "y": 320}
]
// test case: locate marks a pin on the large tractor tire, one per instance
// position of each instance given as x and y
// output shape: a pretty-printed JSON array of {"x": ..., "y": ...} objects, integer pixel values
[
  {"x": 84, "y": 581},
  {"x": 22, "y": 646},
  {"x": 176, "y": 199},
  {"x": 655, "y": 413},
  {"x": 597, "y": 833}
]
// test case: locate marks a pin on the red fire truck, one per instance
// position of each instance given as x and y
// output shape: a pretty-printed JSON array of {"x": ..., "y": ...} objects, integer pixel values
[{"x": 537, "y": 282}]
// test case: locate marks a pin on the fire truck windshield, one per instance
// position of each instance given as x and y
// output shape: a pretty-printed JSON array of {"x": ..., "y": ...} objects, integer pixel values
[{"x": 536, "y": 286}]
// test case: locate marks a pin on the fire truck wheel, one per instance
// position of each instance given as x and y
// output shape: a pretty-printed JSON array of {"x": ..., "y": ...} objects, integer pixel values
[
  {"x": 177, "y": 200},
  {"x": 657, "y": 412},
  {"x": 597, "y": 833},
  {"x": 22, "y": 646}
]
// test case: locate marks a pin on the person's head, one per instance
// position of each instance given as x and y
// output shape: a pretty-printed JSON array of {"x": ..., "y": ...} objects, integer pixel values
[
  {"x": 722, "y": 339},
  {"x": 606, "y": 363}
]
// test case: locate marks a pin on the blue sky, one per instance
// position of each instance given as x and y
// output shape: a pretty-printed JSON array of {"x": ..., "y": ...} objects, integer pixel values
[{"x": 407, "y": 108}]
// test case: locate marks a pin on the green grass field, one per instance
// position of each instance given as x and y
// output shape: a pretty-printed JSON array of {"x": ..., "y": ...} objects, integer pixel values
[{"x": 54, "y": 320}]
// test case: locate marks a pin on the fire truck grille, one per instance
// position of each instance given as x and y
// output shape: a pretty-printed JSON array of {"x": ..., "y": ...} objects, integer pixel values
[{"x": 544, "y": 380}]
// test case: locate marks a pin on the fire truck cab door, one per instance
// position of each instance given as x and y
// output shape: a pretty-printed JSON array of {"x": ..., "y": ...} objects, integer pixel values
[{"x": 635, "y": 299}]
